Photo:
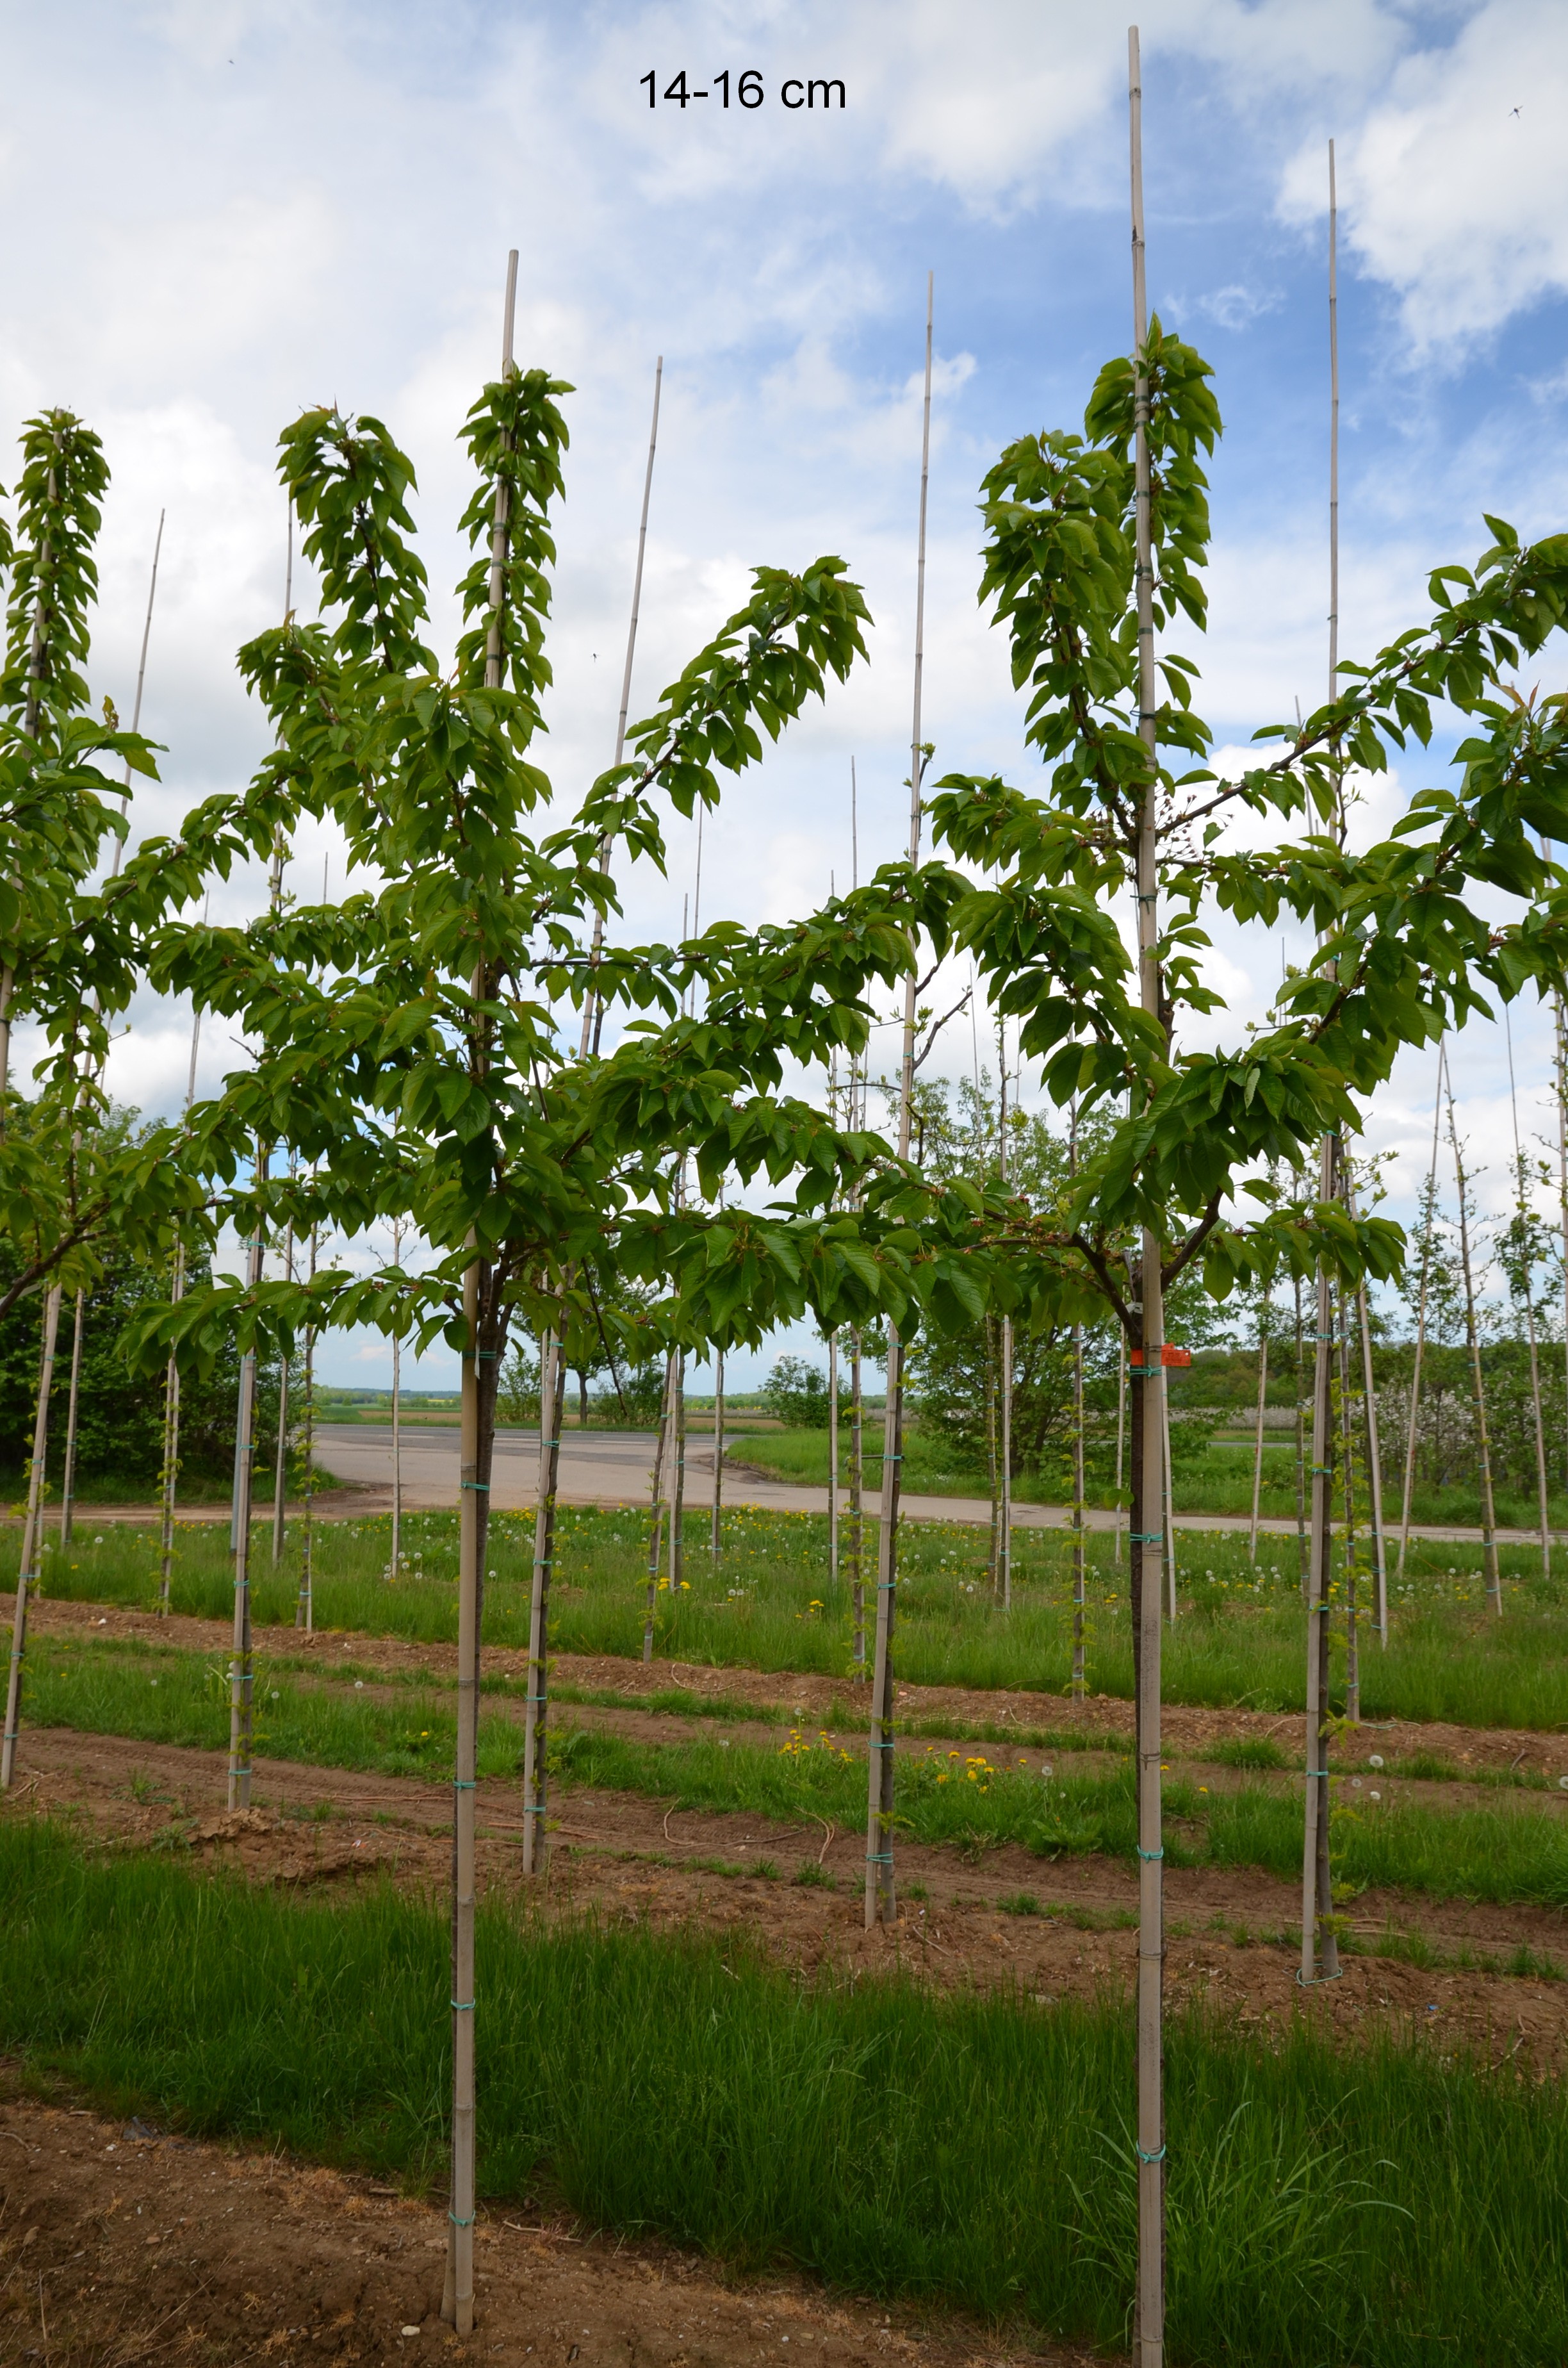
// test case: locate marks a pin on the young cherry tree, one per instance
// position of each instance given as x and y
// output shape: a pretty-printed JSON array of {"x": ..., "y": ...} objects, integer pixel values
[
  {"x": 68, "y": 1184},
  {"x": 1093, "y": 543},
  {"x": 415, "y": 1046}
]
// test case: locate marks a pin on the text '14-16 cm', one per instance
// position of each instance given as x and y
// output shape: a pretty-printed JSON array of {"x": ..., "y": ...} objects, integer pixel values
[{"x": 750, "y": 90}]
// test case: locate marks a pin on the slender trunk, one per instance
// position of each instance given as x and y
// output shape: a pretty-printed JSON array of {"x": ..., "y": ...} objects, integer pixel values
[
  {"x": 1421, "y": 1317},
  {"x": 1080, "y": 1560},
  {"x": 1169, "y": 1511},
  {"x": 1473, "y": 1340},
  {"x": 678, "y": 1486},
  {"x": 305, "y": 1608},
  {"x": 1526, "y": 1265},
  {"x": 881, "y": 1906},
  {"x": 857, "y": 1505},
  {"x": 171, "y": 1375},
  {"x": 1320, "y": 1948},
  {"x": 994, "y": 1556},
  {"x": 1303, "y": 1556},
  {"x": 480, "y": 1377},
  {"x": 1120, "y": 1436},
  {"x": 242, "y": 1667},
  {"x": 1004, "y": 1541},
  {"x": 1149, "y": 2311},
  {"x": 719, "y": 1457},
  {"x": 592, "y": 1009},
  {"x": 397, "y": 1425},
  {"x": 1560, "y": 1018},
  {"x": 73, "y": 1403},
  {"x": 552, "y": 1402},
  {"x": 169, "y": 1479},
  {"x": 833, "y": 1462},
  {"x": 1374, "y": 1473},
  {"x": 280, "y": 1471},
  {"x": 1350, "y": 1564},
  {"x": 656, "y": 1516},
  {"x": 32, "y": 1538},
  {"x": 1258, "y": 1448}
]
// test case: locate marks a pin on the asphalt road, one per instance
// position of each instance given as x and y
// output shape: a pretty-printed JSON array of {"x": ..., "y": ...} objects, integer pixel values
[{"x": 616, "y": 1468}]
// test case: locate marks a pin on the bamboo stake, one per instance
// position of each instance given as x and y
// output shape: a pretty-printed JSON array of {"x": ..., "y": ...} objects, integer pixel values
[
  {"x": 1320, "y": 1949},
  {"x": 305, "y": 1608},
  {"x": 857, "y": 1505},
  {"x": 678, "y": 1484},
  {"x": 1006, "y": 1373},
  {"x": 457, "y": 2301},
  {"x": 397, "y": 1420},
  {"x": 719, "y": 1457},
  {"x": 656, "y": 1522},
  {"x": 1303, "y": 1559},
  {"x": 1347, "y": 1439},
  {"x": 1560, "y": 1018},
  {"x": 1319, "y": 1945},
  {"x": 551, "y": 1407},
  {"x": 881, "y": 1897},
  {"x": 280, "y": 1468},
  {"x": 1421, "y": 1315},
  {"x": 1257, "y": 1448},
  {"x": 1530, "y": 1315},
  {"x": 32, "y": 1536},
  {"x": 68, "y": 1461},
  {"x": 1080, "y": 1559},
  {"x": 241, "y": 1666},
  {"x": 593, "y": 1011},
  {"x": 1149, "y": 2313},
  {"x": 832, "y": 1459},
  {"x": 1473, "y": 1339},
  {"x": 171, "y": 1374}
]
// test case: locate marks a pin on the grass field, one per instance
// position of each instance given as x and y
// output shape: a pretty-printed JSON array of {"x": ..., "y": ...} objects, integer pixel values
[
  {"x": 1218, "y": 1481},
  {"x": 968, "y": 2150},
  {"x": 772, "y": 1605},
  {"x": 1498, "y": 1852}
]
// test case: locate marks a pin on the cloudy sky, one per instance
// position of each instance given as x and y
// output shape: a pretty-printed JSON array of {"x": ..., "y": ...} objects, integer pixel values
[{"x": 220, "y": 212}]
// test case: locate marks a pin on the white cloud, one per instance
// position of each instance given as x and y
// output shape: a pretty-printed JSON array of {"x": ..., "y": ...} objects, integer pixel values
[{"x": 1454, "y": 188}]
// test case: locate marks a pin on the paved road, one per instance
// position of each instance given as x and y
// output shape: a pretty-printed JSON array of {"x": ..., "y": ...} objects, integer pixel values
[{"x": 616, "y": 1468}]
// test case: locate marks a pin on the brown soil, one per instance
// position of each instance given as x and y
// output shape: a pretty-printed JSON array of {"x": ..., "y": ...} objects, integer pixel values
[
  {"x": 625, "y": 1859},
  {"x": 120, "y": 2244},
  {"x": 1189, "y": 1734}
]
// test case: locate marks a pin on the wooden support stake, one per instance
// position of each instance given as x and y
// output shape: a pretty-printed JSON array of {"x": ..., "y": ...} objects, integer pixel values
[
  {"x": 1149, "y": 2305},
  {"x": 881, "y": 1897},
  {"x": 32, "y": 1536},
  {"x": 1421, "y": 1315},
  {"x": 551, "y": 1407},
  {"x": 1472, "y": 1342}
]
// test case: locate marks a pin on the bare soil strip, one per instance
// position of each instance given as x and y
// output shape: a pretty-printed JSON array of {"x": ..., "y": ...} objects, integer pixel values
[
  {"x": 1190, "y": 1732},
  {"x": 120, "y": 2244},
  {"x": 796, "y": 1891}
]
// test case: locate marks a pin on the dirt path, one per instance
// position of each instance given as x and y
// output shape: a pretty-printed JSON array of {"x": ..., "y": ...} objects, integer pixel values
[
  {"x": 795, "y": 1890},
  {"x": 1190, "y": 1732},
  {"x": 121, "y": 2244}
]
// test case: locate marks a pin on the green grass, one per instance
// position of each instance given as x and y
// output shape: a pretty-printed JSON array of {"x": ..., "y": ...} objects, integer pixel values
[
  {"x": 1384, "y": 2208},
  {"x": 772, "y": 1606},
  {"x": 959, "y": 1798}
]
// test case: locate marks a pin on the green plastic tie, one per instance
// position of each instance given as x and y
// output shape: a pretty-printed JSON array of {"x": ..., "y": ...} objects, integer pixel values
[
  {"x": 1148, "y": 1854},
  {"x": 1143, "y": 2156}
]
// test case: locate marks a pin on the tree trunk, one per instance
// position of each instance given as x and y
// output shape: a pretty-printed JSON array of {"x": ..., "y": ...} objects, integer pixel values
[
  {"x": 552, "y": 1396},
  {"x": 1080, "y": 1560},
  {"x": 32, "y": 1534},
  {"x": 857, "y": 1504},
  {"x": 1473, "y": 1340},
  {"x": 656, "y": 1515},
  {"x": 1319, "y": 1946},
  {"x": 1258, "y": 1448},
  {"x": 241, "y": 1666},
  {"x": 68, "y": 1463},
  {"x": 719, "y": 1456}
]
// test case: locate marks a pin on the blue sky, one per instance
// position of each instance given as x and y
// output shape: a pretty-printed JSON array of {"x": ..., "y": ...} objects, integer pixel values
[{"x": 221, "y": 211}]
